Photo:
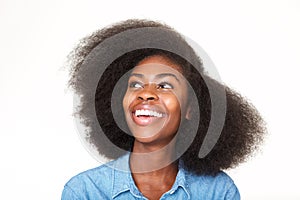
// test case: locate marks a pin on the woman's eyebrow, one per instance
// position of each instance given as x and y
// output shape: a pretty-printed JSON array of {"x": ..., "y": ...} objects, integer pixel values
[
  {"x": 137, "y": 75},
  {"x": 158, "y": 76},
  {"x": 167, "y": 74}
]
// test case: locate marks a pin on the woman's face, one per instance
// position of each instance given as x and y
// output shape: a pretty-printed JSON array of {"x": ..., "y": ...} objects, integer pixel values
[{"x": 156, "y": 100}]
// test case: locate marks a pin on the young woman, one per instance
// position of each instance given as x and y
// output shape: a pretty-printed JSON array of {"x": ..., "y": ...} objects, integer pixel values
[{"x": 170, "y": 128}]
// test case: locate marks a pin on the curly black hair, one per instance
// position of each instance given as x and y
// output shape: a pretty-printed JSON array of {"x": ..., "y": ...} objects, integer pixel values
[{"x": 243, "y": 128}]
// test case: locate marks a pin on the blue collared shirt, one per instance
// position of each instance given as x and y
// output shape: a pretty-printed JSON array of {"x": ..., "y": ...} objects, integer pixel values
[{"x": 114, "y": 181}]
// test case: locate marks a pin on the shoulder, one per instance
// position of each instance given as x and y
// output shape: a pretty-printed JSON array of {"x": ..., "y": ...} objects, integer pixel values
[
  {"x": 220, "y": 186},
  {"x": 95, "y": 175},
  {"x": 90, "y": 184}
]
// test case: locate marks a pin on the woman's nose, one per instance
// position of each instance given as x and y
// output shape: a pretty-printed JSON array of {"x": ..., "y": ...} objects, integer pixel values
[{"x": 148, "y": 93}]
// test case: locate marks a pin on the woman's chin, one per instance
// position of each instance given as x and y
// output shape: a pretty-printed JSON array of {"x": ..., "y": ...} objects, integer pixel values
[{"x": 145, "y": 138}]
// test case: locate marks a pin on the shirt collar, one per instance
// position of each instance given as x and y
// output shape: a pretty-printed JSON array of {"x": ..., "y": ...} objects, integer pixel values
[
  {"x": 123, "y": 181},
  {"x": 181, "y": 180}
]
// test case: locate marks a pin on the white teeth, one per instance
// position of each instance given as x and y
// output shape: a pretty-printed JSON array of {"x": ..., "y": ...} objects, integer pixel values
[{"x": 150, "y": 113}]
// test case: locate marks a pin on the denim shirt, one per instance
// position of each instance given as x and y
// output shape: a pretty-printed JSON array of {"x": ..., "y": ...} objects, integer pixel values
[{"x": 114, "y": 181}]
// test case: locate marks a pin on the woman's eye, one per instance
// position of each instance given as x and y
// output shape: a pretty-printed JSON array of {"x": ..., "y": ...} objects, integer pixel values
[
  {"x": 135, "y": 85},
  {"x": 165, "y": 86}
]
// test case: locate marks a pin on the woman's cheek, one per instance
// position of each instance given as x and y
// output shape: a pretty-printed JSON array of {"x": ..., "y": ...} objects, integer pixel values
[{"x": 171, "y": 102}]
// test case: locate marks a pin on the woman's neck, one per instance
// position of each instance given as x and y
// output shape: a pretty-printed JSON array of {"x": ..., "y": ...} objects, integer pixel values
[
  {"x": 153, "y": 169},
  {"x": 151, "y": 158}
]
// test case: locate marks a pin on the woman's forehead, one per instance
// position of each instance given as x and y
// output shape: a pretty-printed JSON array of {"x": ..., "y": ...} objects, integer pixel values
[{"x": 157, "y": 64}]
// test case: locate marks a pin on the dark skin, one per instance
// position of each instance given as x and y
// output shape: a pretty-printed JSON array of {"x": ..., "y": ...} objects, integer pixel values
[
  {"x": 154, "y": 172},
  {"x": 153, "y": 184}
]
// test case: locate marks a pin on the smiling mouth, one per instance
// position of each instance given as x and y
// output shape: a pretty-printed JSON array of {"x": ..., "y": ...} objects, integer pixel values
[
  {"x": 143, "y": 117},
  {"x": 147, "y": 113}
]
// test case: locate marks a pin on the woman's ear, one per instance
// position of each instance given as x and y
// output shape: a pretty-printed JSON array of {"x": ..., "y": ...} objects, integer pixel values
[{"x": 188, "y": 114}]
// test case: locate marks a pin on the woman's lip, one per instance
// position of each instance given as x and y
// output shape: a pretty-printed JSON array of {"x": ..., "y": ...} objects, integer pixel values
[
  {"x": 148, "y": 107},
  {"x": 150, "y": 113},
  {"x": 144, "y": 120}
]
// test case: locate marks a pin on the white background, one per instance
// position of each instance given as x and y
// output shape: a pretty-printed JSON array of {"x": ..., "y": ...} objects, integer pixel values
[{"x": 254, "y": 44}]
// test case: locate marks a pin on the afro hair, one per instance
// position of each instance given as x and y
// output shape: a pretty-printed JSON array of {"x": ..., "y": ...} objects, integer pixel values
[{"x": 242, "y": 131}]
